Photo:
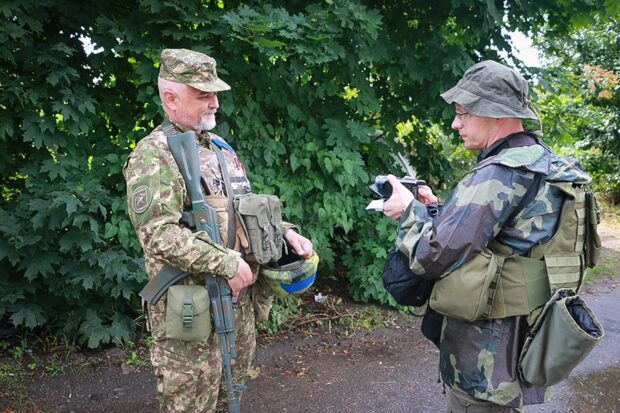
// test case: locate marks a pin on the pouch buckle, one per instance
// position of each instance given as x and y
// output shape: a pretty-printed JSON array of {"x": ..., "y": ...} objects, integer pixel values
[{"x": 188, "y": 310}]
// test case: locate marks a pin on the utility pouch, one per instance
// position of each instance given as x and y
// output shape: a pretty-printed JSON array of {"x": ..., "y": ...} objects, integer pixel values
[
  {"x": 187, "y": 313},
  {"x": 593, "y": 241},
  {"x": 468, "y": 292},
  {"x": 261, "y": 218},
  {"x": 562, "y": 336}
]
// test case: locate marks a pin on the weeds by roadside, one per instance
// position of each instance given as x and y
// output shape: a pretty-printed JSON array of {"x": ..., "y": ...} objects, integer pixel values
[{"x": 330, "y": 314}]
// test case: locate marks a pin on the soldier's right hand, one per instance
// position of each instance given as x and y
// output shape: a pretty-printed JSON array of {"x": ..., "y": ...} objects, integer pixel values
[
  {"x": 400, "y": 199},
  {"x": 242, "y": 279}
]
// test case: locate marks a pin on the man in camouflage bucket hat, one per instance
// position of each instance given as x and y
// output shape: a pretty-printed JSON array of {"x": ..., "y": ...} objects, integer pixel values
[
  {"x": 503, "y": 203},
  {"x": 189, "y": 374}
]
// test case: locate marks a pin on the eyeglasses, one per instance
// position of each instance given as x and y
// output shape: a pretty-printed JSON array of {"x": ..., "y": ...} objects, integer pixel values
[{"x": 461, "y": 115}]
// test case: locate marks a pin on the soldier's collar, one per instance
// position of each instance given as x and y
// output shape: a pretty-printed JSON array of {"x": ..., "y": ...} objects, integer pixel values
[
  {"x": 513, "y": 140},
  {"x": 204, "y": 138}
]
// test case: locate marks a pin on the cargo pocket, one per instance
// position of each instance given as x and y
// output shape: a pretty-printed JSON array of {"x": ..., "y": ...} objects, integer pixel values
[
  {"x": 187, "y": 313},
  {"x": 468, "y": 292}
]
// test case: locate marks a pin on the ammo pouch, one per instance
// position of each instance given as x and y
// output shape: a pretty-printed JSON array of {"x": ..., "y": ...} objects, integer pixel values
[
  {"x": 562, "y": 336},
  {"x": 492, "y": 285},
  {"x": 187, "y": 313},
  {"x": 261, "y": 219}
]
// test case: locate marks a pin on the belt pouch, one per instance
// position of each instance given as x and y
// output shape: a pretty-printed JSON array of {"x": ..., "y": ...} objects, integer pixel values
[{"x": 187, "y": 313}]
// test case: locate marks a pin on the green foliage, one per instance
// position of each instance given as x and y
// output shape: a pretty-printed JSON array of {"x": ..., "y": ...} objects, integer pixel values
[
  {"x": 283, "y": 309},
  {"x": 312, "y": 82},
  {"x": 579, "y": 92}
]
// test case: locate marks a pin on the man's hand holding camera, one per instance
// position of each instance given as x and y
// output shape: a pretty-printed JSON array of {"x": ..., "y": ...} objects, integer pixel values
[{"x": 402, "y": 197}]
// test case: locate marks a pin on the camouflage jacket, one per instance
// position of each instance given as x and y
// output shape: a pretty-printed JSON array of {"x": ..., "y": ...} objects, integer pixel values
[
  {"x": 157, "y": 196},
  {"x": 480, "y": 358}
]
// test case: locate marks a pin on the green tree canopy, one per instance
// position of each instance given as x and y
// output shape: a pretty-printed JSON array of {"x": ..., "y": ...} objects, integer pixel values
[{"x": 580, "y": 92}]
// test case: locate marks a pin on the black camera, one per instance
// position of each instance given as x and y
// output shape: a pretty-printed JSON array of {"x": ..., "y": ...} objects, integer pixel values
[{"x": 381, "y": 188}]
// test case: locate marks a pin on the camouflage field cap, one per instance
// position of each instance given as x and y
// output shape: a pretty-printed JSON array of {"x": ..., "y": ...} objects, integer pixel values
[
  {"x": 491, "y": 90},
  {"x": 191, "y": 68}
]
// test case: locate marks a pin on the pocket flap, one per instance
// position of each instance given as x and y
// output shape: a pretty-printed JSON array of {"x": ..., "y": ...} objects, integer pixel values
[{"x": 177, "y": 297}]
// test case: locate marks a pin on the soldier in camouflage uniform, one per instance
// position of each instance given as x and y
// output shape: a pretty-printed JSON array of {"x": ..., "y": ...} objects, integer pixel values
[
  {"x": 189, "y": 373},
  {"x": 478, "y": 359}
]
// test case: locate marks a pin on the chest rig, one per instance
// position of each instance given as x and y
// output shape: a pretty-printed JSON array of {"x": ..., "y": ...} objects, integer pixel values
[
  {"x": 248, "y": 222},
  {"x": 499, "y": 283}
]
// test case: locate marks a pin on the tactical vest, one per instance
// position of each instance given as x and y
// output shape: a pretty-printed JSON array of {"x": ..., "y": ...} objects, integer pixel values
[
  {"x": 248, "y": 222},
  {"x": 497, "y": 283}
]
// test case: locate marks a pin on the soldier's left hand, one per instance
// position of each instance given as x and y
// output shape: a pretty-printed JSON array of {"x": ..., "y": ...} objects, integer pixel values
[{"x": 301, "y": 244}]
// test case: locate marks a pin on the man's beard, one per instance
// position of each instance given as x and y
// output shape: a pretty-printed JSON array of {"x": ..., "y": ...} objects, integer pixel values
[{"x": 206, "y": 122}]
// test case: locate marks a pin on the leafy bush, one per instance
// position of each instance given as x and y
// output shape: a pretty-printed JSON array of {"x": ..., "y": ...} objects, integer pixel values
[{"x": 311, "y": 85}]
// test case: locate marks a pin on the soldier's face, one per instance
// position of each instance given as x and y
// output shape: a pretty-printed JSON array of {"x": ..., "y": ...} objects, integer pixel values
[
  {"x": 475, "y": 131},
  {"x": 197, "y": 109}
]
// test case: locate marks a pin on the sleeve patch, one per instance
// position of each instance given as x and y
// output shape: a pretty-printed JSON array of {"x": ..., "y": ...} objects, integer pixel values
[{"x": 141, "y": 199}]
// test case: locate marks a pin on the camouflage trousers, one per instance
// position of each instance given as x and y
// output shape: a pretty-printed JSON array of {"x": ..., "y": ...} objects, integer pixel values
[
  {"x": 460, "y": 402},
  {"x": 189, "y": 374}
]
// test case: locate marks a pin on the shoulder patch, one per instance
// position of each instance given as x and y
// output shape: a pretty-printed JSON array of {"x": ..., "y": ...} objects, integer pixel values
[{"x": 141, "y": 199}]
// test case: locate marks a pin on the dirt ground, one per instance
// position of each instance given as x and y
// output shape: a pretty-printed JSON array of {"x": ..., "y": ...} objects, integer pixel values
[{"x": 335, "y": 367}]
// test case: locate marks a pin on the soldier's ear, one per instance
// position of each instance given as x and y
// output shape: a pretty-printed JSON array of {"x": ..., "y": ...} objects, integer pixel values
[{"x": 170, "y": 98}]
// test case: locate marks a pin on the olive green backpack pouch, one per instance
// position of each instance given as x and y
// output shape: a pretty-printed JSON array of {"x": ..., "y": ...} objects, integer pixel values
[
  {"x": 187, "y": 313},
  {"x": 261, "y": 217},
  {"x": 593, "y": 241},
  {"x": 562, "y": 336},
  {"x": 471, "y": 280}
]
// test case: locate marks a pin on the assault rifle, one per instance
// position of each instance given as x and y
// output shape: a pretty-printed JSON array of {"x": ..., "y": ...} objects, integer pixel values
[{"x": 203, "y": 217}]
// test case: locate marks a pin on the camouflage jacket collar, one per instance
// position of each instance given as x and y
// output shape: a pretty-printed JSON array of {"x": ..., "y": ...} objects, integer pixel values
[{"x": 511, "y": 141}]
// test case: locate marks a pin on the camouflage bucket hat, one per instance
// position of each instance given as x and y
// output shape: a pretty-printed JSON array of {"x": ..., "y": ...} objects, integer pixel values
[
  {"x": 191, "y": 68},
  {"x": 491, "y": 90}
]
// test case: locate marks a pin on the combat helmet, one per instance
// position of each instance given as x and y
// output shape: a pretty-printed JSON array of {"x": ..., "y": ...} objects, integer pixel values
[{"x": 291, "y": 274}]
